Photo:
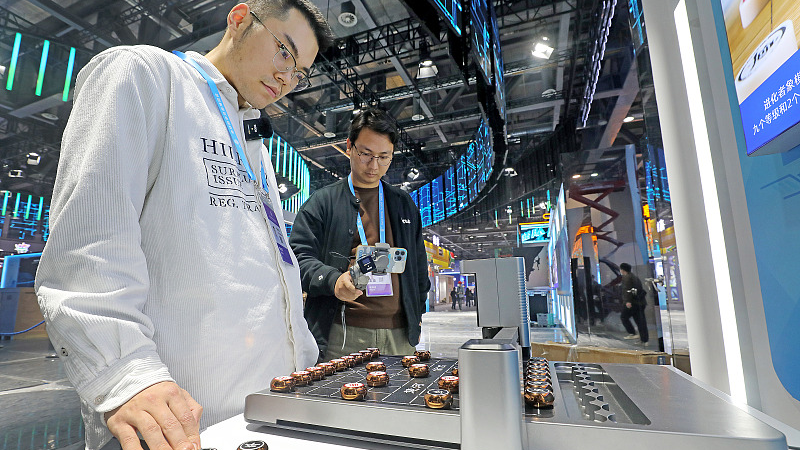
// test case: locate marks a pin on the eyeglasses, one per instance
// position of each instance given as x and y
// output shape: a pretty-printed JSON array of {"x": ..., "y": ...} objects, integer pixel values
[
  {"x": 284, "y": 61},
  {"x": 366, "y": 158}
]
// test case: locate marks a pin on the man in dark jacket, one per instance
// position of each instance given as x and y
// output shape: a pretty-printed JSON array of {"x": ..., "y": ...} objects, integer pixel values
[
  {"x": 634, "y": 300},
  {"x": 333, "y": 223}
]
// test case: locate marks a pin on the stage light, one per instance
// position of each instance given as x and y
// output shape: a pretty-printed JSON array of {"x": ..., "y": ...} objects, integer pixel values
[
  {"x": 509, "y": 172},
  {"x": 542, "y": 51}
]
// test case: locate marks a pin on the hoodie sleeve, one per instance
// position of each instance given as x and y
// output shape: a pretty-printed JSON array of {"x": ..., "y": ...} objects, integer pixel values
[{"x": 92, "y": 281}]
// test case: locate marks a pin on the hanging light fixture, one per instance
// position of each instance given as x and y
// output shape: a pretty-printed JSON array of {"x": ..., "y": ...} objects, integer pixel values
[
  {"x": 330, "y": 125},
  {"x": 427, "y": 69},
  {"x": 416, "y": 110}
]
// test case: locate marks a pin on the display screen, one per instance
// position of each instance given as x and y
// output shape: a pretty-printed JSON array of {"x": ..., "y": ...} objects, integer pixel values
[
  {"x": 484, "y": 156},
  {"x": 472, "y": 172},
  {"x": 534, "y": 233},
  {"x": 497, "y": 67},
  {"x": 763, "y": 41},
  {"x": 19, "y": 270},
  {"x": 415, "y": 197},
  {"x": 461, "y": 182},
  {"x": 480, "y": 38},
  {"x": 451, "y": 11},
  {"x": 425, "y": 204},
  {"x": 450, "y": 200},
  {"x": 437, "y": 200}
]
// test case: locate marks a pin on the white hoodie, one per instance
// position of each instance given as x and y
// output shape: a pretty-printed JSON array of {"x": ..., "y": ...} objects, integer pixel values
[{"x": 159, "y": 265}]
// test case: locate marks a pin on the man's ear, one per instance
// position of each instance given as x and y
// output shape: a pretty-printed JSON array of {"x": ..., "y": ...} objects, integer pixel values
[
  {"x": 348, "y": 143},
  {"x": 239, "y": 17}
]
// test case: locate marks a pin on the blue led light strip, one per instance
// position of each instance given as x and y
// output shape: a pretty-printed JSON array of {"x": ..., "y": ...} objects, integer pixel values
[
  {"x": 13, "y": 65},
  {"x": 5, "y": 202},
  {"x": 70, "y": 68},
  {"x": 285, "y": 151},
  {"x": 42, "y": 67},
  {"x": 28, "y": 207},
  {"x": 278, "y": 154},
  {"x": 16, "y": 206}
]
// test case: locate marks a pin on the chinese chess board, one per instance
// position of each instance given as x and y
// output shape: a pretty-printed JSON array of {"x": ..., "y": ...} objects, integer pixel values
[{"x": 402, "y": 388}]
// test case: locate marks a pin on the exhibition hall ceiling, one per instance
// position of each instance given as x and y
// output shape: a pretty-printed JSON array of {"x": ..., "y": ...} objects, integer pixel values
[{"x": 378, "y": 54}]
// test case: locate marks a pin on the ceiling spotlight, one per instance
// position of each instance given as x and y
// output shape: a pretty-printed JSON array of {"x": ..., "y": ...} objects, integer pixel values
[
  {"x": 282, "y": 188},
  {"x": 509, "y": 172},
  {"x": 594, "y": 174},
  {"x": 348, "y": 18},
  {"x": 16, "y": 173},
  {"x": 545, "y": 38},
  {"x": 542, "y": 51},
  {"x": 576, "y": 176},
  {"x": 33, "y": 159},
  {"x": 413, "y": 174},
  {"x": 329, "y": 134},
  {"x": 49, "y": 116},
  {"x": 628, "y": 119}
]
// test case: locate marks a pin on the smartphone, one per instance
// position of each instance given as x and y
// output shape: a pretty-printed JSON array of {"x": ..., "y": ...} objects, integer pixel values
[{"x": 387, "y": 259}]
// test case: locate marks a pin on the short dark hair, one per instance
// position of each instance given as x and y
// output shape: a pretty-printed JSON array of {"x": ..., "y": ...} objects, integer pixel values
[
  {"x": 626, "y": 267},
  {"x": 280, "y": 9},
  {"x": 376, "y": 120}
]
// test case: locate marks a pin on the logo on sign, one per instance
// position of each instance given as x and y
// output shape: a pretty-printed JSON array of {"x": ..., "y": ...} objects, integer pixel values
[{"x": 764, "y": 50}]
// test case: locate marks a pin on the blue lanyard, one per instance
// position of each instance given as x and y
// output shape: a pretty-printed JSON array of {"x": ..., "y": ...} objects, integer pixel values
[
  {"x": 223, "y": 112},
  {"x": 380, "y": 212}
]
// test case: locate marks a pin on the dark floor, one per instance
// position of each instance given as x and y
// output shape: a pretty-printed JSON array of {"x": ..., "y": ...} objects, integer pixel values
[{"x": 40, "y": 410}]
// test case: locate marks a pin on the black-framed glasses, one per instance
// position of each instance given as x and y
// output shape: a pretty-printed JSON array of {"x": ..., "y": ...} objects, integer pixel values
[
  {"x": 366, "y": 158},
  {"x": 284, "y": 61}
]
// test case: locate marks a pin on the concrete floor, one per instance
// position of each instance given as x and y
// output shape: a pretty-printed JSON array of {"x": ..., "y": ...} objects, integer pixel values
[{"x": 40, "y": 410}]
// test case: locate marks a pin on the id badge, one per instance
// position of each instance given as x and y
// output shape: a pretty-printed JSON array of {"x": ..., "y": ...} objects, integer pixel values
[
  {"x": 379, "y": 285},
  {"x": 272, "y": 221}
]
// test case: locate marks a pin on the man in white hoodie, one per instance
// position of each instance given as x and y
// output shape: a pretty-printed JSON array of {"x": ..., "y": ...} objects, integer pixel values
[{"x": 167, "y": 283}]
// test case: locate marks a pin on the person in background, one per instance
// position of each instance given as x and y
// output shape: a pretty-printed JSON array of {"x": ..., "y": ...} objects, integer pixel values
[
  {"x": 634, "y": 302},
  {"x": 469, "y": 297},
  {"x": 167, "y": 285},
  {"x": 344, "y": 215},
  {"x": 454, "y": 298}
]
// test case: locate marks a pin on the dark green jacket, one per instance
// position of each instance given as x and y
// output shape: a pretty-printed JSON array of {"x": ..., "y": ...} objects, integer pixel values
[{"x": 325, "y": 225}]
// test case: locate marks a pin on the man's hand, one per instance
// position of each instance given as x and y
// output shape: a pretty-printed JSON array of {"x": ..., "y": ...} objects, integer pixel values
[
  {"x": 345, "y": 290},
  {"x": 164, "y": 414}
]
